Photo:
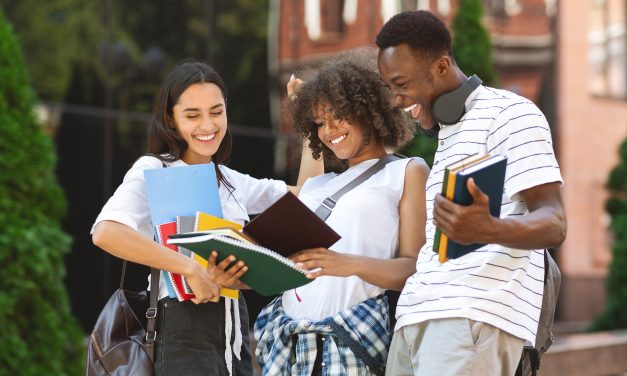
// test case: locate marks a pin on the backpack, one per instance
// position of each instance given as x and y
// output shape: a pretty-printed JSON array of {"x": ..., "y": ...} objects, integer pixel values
[{"x": 530, "y": 359}]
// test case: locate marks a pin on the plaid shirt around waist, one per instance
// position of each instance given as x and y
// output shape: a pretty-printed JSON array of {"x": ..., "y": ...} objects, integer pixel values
[{"x": 355, "y": 341}]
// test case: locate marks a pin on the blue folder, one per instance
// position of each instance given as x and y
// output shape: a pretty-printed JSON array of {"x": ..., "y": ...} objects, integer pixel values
[{"x": 182, "y": 191}]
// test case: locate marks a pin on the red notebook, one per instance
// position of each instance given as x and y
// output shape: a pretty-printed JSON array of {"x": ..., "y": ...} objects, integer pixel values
[{"x": 175, "y": 281}]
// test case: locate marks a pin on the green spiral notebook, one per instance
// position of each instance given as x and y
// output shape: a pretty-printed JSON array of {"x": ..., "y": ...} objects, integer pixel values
[{"x": 272, "y": 273}]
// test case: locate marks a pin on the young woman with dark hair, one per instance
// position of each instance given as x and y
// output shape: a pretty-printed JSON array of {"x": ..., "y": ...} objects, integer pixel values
[
  {"x": 189, "y": 126},
  {"x": 339, "y": 323}
]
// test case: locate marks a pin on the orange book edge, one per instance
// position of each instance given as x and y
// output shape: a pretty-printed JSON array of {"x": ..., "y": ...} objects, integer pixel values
[{"x": 450, "y": 188}]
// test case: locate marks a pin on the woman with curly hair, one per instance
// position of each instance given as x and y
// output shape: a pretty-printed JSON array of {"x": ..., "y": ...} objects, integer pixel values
[{"x": 339, "y": 323}]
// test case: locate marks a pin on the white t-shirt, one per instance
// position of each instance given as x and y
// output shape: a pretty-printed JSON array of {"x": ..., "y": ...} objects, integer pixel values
[
  {"x": 497, "y": 285},
  {"x": 129, "y": 203},
  {"x": 367, "y": 219}
]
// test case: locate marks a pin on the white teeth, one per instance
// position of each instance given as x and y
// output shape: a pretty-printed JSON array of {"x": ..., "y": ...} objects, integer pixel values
[
  {"x": 338, "y": 140},
  {"x": 407, "y": 109},
  {"x": 205, "y": 137}
]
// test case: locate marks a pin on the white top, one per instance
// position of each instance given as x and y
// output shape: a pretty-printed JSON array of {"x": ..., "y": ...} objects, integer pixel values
[
  {"x": 367, "y": 219},
  {"x": 495, "y": 284},
  {"x": 129, "y": 203}
]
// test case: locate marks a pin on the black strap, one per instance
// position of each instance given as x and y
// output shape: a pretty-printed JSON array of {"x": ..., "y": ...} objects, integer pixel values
[
  {"x": 327, "y": 205},
  {"x": 546, "y": 264},
  {"x": 151, "y": 312},
  {"x": 317, "y": 367}
]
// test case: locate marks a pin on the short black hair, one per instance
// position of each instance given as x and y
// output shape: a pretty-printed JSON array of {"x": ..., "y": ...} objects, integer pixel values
[
  {"x": 352, "y": 86},
  {"x": 423, "y": 32}
]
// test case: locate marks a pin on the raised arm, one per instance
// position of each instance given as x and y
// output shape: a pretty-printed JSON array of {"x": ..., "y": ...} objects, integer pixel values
[
  {"x": 388, "y": 274},
  {"x": 309, "y": 166}
]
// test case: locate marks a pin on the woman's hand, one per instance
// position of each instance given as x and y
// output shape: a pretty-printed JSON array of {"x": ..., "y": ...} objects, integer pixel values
[
  {"x": 292, "y": 87},
  {"x": 204, "y": 287},
  {"x": 224, "y": 275},
  {"x": 322, "y": 261}
]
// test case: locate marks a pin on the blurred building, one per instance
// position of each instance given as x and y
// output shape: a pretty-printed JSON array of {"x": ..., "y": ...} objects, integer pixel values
[
  {"x": 570, "y": 62},
  {"x": 592, "y": 118}
]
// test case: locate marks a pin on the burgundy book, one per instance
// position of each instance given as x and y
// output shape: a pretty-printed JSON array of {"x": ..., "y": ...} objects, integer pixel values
[{"x": 288, "y": 226}]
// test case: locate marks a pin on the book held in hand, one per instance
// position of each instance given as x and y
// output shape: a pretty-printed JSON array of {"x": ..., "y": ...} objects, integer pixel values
[
  {"x": 174, "y": 282},
  {"x": 175, "y": 192},
  {"x": 488, "y": 173},
  {"x": 182, "y": 191},
  {"x": 287, "y": 226},
  {"x": 204, "y": 221},
  {"x": 268, "y": 272}
]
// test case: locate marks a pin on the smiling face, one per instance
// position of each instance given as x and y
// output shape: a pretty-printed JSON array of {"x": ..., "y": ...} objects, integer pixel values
[
  {"x": 414, "y": 83},
  {"x": 200, "y": 119},
  {"x": 346, "y": 140}
]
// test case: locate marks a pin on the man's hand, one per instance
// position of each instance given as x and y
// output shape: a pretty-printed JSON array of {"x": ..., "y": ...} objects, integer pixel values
[{"x": 465, "y": 224}]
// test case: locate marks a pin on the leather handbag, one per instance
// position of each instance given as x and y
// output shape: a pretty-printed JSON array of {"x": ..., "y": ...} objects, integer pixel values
[{"x": 119, "y": 343}]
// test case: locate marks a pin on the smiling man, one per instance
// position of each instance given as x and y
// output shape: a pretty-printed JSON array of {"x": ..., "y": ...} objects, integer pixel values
[{"x": 471, "y": 315}]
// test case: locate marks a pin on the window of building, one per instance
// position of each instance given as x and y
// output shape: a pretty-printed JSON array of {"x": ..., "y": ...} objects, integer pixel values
[
  {"x": 324, "y": 19},
  {"x": 606, "y": 52},
  {"x": 331, "y": 12}
]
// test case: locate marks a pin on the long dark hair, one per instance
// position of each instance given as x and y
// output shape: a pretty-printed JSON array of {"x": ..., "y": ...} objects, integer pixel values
[{"x": 164, "y": 142}]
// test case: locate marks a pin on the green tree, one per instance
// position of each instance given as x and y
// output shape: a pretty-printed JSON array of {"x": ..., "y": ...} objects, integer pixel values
[
  {"x": 421, "y": 146},
  {"x": 39, "y": 335},
  {"x": 615, "y": 314},
  {"x": 55, "y": 35},
  {"x": 471, "y": 42}
]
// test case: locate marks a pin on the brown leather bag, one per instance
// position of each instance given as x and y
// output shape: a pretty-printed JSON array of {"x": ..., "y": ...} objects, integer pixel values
[{"x": 119, "y": 344}]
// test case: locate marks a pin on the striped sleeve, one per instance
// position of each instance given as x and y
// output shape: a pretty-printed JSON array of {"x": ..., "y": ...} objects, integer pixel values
[{"x": 522, "y": 133}]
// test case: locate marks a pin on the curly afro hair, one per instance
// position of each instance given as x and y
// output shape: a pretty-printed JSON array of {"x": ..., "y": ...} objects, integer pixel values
[
  {"x": 353, "y": 89},
  {"x": 423, "y": 31}
]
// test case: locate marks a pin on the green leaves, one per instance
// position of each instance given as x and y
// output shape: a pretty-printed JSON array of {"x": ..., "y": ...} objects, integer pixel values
[
  {"x": 471, "y": 42},
  {"x": 615, "y": 314},
  {"x": 39, "y": 336},
  {"x": 421, "y": 146},
  {"x": 55, "y": 35}
]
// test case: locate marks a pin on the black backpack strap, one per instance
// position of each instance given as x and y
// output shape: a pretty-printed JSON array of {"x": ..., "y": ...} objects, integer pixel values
[
  {"x": 151, "y": 313},
  {"x": 531, "y": 357},
  {"x": 546, "y": 264},
  {"x": 327, "y": 205},
  {"x": 520, "y": 363},
  {"x": 534, "y": 360}
]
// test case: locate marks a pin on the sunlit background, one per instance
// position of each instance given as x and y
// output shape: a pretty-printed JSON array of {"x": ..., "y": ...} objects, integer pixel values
[{"x": 96, "y": 65}]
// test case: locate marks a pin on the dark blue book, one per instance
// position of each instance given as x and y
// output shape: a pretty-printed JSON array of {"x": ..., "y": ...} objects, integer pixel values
[{"x": 489, "y": 176}]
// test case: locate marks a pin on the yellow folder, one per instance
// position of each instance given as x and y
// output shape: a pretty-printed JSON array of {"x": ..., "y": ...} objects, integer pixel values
[{"x": 205, "y": 222}]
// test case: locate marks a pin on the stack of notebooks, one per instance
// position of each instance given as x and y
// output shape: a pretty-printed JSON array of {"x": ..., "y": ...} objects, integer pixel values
[
  {"x": 185, "y": 204},
  {"x": 176, "y": 283},
  {"x": 265, "y": 244},
  {"x": 488, "y": 173},
  {"x": 175, "y": 195}
]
